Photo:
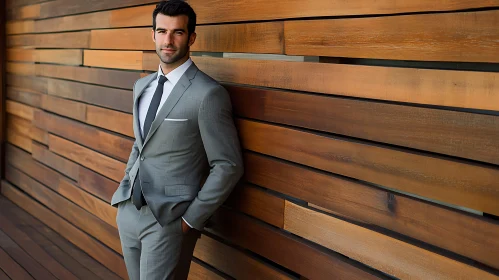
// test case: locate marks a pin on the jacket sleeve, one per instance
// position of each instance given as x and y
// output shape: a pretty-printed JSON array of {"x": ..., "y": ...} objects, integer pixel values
[{"x": 223, "y": 150}]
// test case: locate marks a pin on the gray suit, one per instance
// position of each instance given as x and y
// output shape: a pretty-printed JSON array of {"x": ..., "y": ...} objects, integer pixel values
[{"x": 192, "y": 140}]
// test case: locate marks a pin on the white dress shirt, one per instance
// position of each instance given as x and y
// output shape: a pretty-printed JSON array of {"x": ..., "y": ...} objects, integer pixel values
[{"x": 145, "y": 99}]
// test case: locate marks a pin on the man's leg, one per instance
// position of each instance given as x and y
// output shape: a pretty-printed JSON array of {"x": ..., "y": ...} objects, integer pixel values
[
  {"x": 126, "y": 220},
  {"x": 161, "y": 247}
]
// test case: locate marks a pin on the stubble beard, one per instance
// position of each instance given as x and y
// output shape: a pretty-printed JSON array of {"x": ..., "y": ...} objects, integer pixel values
[{"x": 178, "y": 55}]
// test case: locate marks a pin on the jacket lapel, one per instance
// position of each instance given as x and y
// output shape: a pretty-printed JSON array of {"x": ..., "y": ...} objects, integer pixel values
[
  {"x": 140, "y": 88},
  {"x": 177, "y": 92}
]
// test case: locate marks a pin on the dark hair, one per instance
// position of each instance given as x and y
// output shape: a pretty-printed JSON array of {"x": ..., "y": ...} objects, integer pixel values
[{"x": 175, "y": 8}]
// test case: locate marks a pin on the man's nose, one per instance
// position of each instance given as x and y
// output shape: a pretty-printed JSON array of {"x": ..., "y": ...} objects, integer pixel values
[{"x": 168, "y": 39}]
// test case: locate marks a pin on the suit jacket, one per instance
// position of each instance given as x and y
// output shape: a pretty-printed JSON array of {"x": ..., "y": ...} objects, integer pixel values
[{"x": 192, "y": 140}]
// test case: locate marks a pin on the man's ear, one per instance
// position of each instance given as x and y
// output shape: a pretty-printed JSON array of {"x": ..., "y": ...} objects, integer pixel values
[
  {"x": 153, "y": 35},
  {"x": 192, "y": 39}
]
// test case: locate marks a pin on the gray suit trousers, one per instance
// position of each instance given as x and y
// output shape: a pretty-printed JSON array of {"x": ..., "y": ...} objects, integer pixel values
[{"x": 153, "y": 252}]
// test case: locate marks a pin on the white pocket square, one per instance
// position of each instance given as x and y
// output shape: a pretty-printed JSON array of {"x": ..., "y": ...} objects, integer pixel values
[{"x": 176, "y": 120}]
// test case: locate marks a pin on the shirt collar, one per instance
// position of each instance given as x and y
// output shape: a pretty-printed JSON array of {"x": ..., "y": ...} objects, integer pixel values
[{"x": 175, "y": 75}]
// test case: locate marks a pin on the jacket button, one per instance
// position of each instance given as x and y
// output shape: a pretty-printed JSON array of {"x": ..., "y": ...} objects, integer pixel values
[{"x": 142, "y": 158}]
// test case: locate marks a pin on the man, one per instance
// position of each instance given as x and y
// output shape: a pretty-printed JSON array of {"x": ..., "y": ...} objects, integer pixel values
[{"x": 186, "y": 158}]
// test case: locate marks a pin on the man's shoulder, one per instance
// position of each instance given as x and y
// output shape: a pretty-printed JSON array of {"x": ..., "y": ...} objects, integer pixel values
[{"x": 144, "y": 80}]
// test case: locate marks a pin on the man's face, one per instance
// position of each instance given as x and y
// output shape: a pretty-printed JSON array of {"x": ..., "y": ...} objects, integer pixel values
[{"x": 171, "y": 38}]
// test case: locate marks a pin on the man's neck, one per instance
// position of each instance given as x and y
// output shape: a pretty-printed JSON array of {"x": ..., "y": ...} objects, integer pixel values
[{"x": 167, "y": 68}]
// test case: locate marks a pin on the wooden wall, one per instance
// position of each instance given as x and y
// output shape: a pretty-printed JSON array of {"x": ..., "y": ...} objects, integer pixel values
[{"x": 370, "y": 131}]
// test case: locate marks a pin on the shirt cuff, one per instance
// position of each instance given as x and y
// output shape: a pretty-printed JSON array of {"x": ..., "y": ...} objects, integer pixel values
[{"x": 186, "y": 222}]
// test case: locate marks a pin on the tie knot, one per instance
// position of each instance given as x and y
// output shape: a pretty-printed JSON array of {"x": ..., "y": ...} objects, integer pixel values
[{"x": 162, "y": 79}]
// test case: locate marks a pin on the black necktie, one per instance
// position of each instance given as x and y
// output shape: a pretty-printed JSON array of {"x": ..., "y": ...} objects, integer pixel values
[{"x": 137, "y": 196}]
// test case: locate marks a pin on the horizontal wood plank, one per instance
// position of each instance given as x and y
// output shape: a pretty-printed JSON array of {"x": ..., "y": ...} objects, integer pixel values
[
  {"x": 27, "y": 97},
  {"x": 468, "y": 37},
  {"x": 30, "y": 11},
  {"x": 106, "y": 143},
  {"x": 20, "y": 110},
  {"x": 66, "y": 56},
  {"x": 114, "y": 59},
  {"x": 86, "y": 243},
  {"x": 64, "y": 107},
  {"x": 61, "y": 8},
  {"x": 21, "y": 41},
  {"x": 65, "y": 208},
  {"x": 104, "y": 77},
  {"x": 23, "y": 55},
  {"x": 387, "y": 254},
  {"x": 97, "y": 184},
  {"x": 282, "y": 248},
  {"x": 455, "y": 88},
  {"x": 93, "y": 160},
  {"x": 20, "y": 27},
  {"x": 111, "y": 120},
  {"x": 24, "y": 69},
  {"x": 19, "y": 140},
  {"x": 118, "y": 99},
  {"x": 258, "y": 203},
  {"x": 454, "y": 182},
  {"x": 233, "y": 262},
  {"x": 440, "y": 226},
  {"x": 200, "y": 272},
  {"x": 467, "y": 135},
  {"x": 56, "y": 162},
  {"x": 34, "y": 84},
  {"x": 19, "y": 125},
  {"x": 39, "y": 135},
  {"x": 216, "y": 11},
  {"x": 220, "y": 38},
  {"x": 73, "y": 23},
  {"x": 68, "y": 40}
]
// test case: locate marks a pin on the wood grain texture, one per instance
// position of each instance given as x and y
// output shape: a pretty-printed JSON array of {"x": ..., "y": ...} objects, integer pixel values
[
  {"x": 19, "y": 140},
  {"x": 65, "y": 208},
  {"x": 455, "y": 88},
  {"x": 97, "y": 207},
  {"x": 64, "y": 107},
  {"x": 20, "y": 41},
  {"x": 19, "y": 125},
  {"x": 469, "y": 37},
  {"x": 34, "y": 84},
  {"x": 67, "y": 7},
  {"x": 220, "y": 38},
  {"x": 387, "y": 254},
  {"x": 56, "y": 162},
  {"x": 85, "y": 242},
  {"x": 104, "y": 77},
  {"x": 20, "y": 27},
  {"x": 39, "y": 135},
  {"x": 282, "y": 248},
  {"x": 215, "y": 11},
  {"x": 258, "y": 203},
  {"x": 114, "y": 59},
  {"x": 22, "y": 258},
  {"x": 34, "y": 250},
  {"x": 68, "y": 40},
  {"x": 27, "y": 97},
  {"x": 96, "y": 139},
  {"x": 81, "y": 264},
  {"x": 73, "y": 23},
  {"x": 96, "y": 95},
  {"x": 467, "y": 135},
  {"x": 24, "y": 55},
  {"x": 30, "y": 11},
  {"x": 199, "y": 272},
  {"x": 66, "y": 56},
  {"x": 25, "y": 69},
  {"x": 454, "y": 182},
  {"x": 93, "y": 160},
  {"x": 23, "y": 161},
  {"x": 97, "y": 184},
  {"x": 233, "y": 262},
  {"x": 132, "y": 17},
  {"x": 11, "y": 268},
  {"x": 440, "y": 226},
  {"x": 111, "y": 120},
  {"x": 20, "y": 110}
]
